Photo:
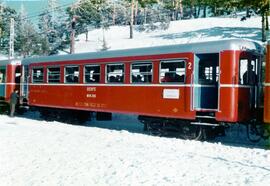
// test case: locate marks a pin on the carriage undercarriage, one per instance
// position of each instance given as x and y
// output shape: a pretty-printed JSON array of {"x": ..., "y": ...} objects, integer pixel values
[{"x": 200, "y": 130}]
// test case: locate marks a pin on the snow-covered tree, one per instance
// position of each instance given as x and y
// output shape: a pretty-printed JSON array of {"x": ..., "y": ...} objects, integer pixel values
[
  {"x": 27, "y": 39},
  {"x": 6, "y": 14},
  {"x": 54, "y": 28}
]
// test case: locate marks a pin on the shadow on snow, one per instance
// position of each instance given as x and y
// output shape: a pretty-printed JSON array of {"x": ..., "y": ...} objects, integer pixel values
[{"x": 224, "y": 32}]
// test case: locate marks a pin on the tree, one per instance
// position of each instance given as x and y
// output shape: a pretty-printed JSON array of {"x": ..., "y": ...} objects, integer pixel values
[
  {"x": 143, "y": 4},
  {"x": 27, "y": 40},
  {"x": 262, "y": 8},
  {"x": 6, "y": 14},
  {"x": 53, "y": 33},
  {"x": 89, "y": 12}
]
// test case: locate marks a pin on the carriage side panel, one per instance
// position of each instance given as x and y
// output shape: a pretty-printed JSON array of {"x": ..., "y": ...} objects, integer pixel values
[
  {"x": 228, "y": 93},
  {"x": 267, "y": 86},
  {"x": 142, "y": 99}
]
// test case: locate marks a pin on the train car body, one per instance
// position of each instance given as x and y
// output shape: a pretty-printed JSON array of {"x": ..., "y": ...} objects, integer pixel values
[
  {"x": 267, "y": 86},
  {"x": 10, "y": 72},
  {"x": 220, "y": 80}
]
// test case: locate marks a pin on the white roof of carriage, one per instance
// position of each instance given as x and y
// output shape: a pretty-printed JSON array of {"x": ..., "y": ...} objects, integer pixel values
[
  {"x": 10, "y": 62},
  {"x": 202, "y": 47}
]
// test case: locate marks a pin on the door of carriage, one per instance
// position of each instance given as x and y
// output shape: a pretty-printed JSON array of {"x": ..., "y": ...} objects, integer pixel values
[
  {"x": 24, "y": 82},
  {"x": 206, "y": 82}
]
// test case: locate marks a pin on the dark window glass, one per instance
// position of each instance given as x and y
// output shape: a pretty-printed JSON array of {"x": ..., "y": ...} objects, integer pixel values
[
  {"x": 208, "y": 74},
  {"x": 53, "y": 75},
  {"x": 2, "y": 75},
  {"x": 72, "y": 74},
  {"x": 142, "y": 72},
  {"x": 115, "y": 73},
  {"x": 172, "y": 71},
  {"x": 92, "y": 74},
  {"x": 37, "y": 75},
  {"x": 248, "y": 71}
]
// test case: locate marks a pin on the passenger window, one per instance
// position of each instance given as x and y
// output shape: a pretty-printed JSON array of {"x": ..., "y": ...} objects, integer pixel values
[
  {"x": 248, "y": 71},
  {"x": 142, "y": 72},
  {"x": 92, "y": 74},
  {"x": 172, "y": 71},
  {"x": 37, "y": 75},
  {"x": 208, "y": 73},
  {"x": 2, "y": 75},
  {"x": 72, "y": 74},
  {"x": 53, "y": 75},
  {"x": 115, "y": 73},
  {"x": 18, "y": 74}
]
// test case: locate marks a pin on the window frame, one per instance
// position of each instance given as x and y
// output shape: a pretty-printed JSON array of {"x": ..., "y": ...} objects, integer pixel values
[
  {"x": 84, "y": 74},
  {"x": 172, "y": 61},
  {"x": 32, "y": 74},
  {"x": 150, "y": 73},
  {"x": 106, "y": 73},
  {"x": 4, "y": 80},
  {"x": 57, "y": 66},
  {"x": 250, "y": 57},
  {"x": 65, "y": 82}
]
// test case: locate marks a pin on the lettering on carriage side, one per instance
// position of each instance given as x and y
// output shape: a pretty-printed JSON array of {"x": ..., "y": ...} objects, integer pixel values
[
  {"x": 171, "y": 93},
  {"x": 90, "y": 105},
  {"x": 91, "y": 95},
  {"x": 91, "y": 89},
  {"x": 91, "y": 92}
]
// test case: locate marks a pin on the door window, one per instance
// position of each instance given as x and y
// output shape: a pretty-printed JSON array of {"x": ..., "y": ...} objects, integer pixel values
[
  {"x": 2, "y": 75},
  {"x": 248, "y": 71}
]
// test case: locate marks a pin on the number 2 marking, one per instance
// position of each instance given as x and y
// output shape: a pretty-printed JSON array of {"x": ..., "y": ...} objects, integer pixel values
[{"x": 189, "y": 65}]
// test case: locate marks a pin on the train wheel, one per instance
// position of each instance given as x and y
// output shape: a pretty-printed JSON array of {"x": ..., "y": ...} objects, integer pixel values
[
  {"x": 192, "y": 132},
  {"x": 155, "y": 129},
  {"x": 253, "y": 132}
]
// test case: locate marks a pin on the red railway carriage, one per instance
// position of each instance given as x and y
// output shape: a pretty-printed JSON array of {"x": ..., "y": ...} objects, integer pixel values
[
  {"x": 10, "y": 72},
  {"x": 218, "y": 81},
  {"x": 267, "y": 86}
]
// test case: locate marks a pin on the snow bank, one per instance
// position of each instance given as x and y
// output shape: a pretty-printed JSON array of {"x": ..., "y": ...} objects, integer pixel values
[
  {"x": 183, "y": 31},
  {"x": 36, "y": 152}
]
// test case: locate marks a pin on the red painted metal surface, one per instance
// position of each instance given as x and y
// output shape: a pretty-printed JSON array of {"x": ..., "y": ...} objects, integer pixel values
[
  {"x": 144, "y": 99},
  {"x": 10, "y": 81},
  {"x": 124, "y": 99},
  {"x": 147, "y": 99},
  {"x": 267, "y": 86},
  {"x": 228, "y": 95}
]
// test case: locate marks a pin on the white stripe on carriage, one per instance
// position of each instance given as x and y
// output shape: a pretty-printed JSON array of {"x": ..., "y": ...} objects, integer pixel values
[{"x": 134, "y": 85}]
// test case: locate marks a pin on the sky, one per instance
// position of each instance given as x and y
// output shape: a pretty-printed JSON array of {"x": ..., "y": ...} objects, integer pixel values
[{"x": 33, "y": 7}]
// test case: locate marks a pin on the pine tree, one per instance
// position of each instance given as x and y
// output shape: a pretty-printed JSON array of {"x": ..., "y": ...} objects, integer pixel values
[
  {"x": 27, "y": 40},
  {"x": 262, "y": 8},
  {"x": 6, "y": 14}
]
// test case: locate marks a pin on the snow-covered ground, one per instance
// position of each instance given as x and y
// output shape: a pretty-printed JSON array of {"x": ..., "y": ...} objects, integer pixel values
[
  {"x": 183, "y": 31},
  {"x": 36, "y": 152},
  {"x": 51, "y": 153},
  {"x": 2, "y": 57}
]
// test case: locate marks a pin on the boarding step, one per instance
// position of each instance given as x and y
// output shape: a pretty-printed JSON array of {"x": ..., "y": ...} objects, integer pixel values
[
  {"x": 204, "y": 124},
  {"x": 207, "y": 117}
]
